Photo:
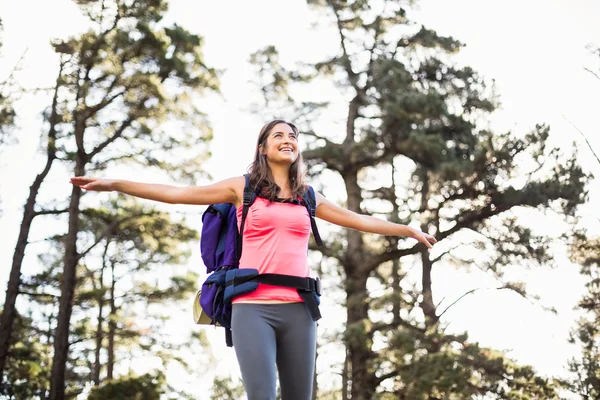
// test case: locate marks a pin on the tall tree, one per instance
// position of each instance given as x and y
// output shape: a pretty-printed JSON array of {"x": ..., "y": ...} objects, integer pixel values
[
  {"x": 119, "y": 82},
  {"x": 52, "y": 120},
  {"x": 586, "y": 252},
  {"x": 125, "y": 268},
  {"x": 28, "y": 368},
  {"x": 412, "y": 107}
]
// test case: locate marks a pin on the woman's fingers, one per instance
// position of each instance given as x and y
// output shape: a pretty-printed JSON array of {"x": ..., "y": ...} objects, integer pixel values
[
  {"x": 96, "y": 184},
  {"x": 427, "y": 240},
  {"x": 81, "y": 180}
]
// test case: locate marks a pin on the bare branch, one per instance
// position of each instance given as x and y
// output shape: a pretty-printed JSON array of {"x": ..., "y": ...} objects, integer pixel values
[
  {"x": 592, "y": 72},
  {"x": 584, "y": 138},
  {"x": 119, "y": 132},
  {"x": 460, "y": 298}
]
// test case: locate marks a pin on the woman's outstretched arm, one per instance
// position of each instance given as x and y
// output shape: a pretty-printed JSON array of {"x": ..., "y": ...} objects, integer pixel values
[
  {"x": 226, "y": 191},
  {"x": 330, "y": 212}
]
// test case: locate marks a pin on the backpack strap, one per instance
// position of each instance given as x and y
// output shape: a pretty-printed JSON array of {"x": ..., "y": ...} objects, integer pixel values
[
  {"x": 249, "y": 197},
  {"x": 306, "y": 287},
  {"x": 311, "y": 205}
]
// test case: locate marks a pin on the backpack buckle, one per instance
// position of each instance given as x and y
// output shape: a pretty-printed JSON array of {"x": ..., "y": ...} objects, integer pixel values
[{"x": 247, "y": 197}]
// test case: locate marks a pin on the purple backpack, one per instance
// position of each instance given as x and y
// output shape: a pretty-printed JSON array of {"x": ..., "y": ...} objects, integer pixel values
[{"x": 221, "y": 248}]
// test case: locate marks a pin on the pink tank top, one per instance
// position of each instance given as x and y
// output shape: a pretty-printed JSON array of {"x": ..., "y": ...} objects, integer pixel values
[{"x": 275, "y": 241}]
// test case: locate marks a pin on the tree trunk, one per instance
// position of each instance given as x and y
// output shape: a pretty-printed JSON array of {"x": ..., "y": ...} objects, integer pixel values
[
  {"x": 427, "y": 304},
  {"x": 67, "y": 286},
  {"x": 397, "y": 295},
  {"x": 345, "y": 376},
  {"x": 99, "y": 328},
  {"x": 29, "y": 213},
  {"x": 358, "y": 339},
  {"x": 396, "y": 277},
  {"x": 112, "y": 327}
]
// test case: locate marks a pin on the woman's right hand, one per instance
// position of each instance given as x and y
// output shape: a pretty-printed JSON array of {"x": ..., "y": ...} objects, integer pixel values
[{"x": 95, "y": 184}]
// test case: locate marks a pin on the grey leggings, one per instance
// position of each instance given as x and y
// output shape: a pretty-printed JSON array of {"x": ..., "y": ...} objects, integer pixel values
[{"x": 267, "y": 337}]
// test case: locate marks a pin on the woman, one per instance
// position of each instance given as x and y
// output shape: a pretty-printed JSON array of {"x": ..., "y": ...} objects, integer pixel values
[{"x": 271, "y": 329}]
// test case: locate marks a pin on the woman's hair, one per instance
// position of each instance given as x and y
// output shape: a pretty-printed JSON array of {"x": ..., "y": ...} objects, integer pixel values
[{"x": 260, "y": 173}]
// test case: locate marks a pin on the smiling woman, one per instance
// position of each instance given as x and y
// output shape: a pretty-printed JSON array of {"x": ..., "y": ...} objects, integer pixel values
[
  {"x": 273, "y": 327},
  {"x": 277, "y": 154}
]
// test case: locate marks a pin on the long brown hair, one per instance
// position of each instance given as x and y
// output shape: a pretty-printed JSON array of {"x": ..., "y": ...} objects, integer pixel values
[{"x": 260, "y": 172}]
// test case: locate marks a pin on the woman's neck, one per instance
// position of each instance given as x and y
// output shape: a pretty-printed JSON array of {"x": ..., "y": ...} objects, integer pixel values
[{"x": 282, "y": 179}]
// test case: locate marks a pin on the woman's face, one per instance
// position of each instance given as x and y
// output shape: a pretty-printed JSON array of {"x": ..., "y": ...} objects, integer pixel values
[{"x": 281, "y": 145}]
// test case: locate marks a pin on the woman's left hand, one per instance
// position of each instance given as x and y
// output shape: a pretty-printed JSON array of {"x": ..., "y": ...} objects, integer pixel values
[{"x": 424, "y": 238}]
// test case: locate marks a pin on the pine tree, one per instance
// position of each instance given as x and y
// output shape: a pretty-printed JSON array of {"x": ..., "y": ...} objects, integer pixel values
[
  {"x": 586, "y": 252},
  {"x": 413, "y": 110},
  {"x": 124, "y": 269},
  {"x": 118, "y": 85},
  {"x": 586, "y": 368},
  {"x": 52, "y": 120}
]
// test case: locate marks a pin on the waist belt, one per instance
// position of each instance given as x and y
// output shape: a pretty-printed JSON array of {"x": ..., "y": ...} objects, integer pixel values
[{"x": 241, "y": 281}]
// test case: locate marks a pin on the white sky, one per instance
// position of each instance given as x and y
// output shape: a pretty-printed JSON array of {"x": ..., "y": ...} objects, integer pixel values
[{"x": 535, "y": 51}]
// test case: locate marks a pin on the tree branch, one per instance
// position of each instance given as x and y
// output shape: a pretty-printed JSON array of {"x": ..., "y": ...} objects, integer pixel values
[
  {"x": 584, "y": 138},
  {"x": 118, "y": 133},
  {"x": 592, "y": 72},
  {"x": 108, "y": 229},
  {"x": 105, "y": 102},
  {"x": 53, "y": 296},
  {"x": 52, "y": 212},
  {"x": 465, "y": 221},
  {"x": 313, "y": 134},
  {"x": 391, "y": 325},
  {"x": 352, "y": 77},
  {"x": 392, "y": 255},
  {"x": 325, "y": 250},
  {"x": 457, "y": 300}
]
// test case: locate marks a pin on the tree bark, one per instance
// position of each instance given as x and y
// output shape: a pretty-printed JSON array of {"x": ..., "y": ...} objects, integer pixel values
[
  {"x": 29, "y": 213},
  {"x": 100, "y": 326},
  {"x": 345, "y": 376},
  {"x": 112, "y": 327}
]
